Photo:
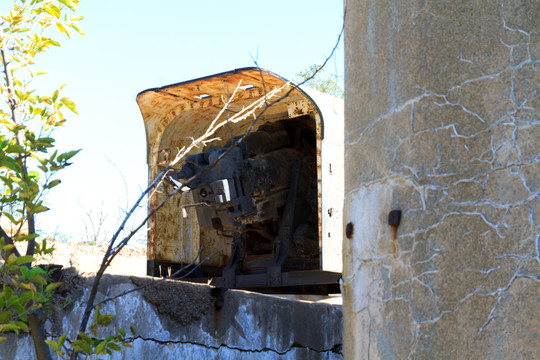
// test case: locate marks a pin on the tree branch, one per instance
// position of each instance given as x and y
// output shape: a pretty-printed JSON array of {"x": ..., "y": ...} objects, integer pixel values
[
  {"x": 263, "y": 104},
  {"x": 8, "y": 241}
]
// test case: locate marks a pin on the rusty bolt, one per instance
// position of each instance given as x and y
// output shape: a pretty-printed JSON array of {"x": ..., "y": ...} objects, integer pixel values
[
  {"x": 349, "y": 230},
  {"x": 394, "y": 217}
]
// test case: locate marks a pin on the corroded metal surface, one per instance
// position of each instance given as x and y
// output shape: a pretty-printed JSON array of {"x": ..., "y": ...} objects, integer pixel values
[{"x": 176, "y": 114}]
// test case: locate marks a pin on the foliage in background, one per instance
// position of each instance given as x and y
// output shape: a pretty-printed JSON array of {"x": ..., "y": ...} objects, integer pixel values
[
  {"x": 93, "y": 344},
  {"x": 29, "y": 161},
  {"x": 23, "y": 290},
  {"x": 28, "y": 166},
  {"x": 319, "y": 80}
]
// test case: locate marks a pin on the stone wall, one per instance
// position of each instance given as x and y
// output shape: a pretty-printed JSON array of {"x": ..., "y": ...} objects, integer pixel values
[
  {"x": 176, "y": 320},
  {"x": 442, "y": 112}
]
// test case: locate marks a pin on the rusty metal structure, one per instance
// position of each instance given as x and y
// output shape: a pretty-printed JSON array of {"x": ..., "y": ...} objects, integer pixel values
[{"x": 261, "y": 202}]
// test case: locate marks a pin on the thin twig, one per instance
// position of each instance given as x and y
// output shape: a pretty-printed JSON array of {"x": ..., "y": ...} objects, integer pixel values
[
  {"x": 172, "y": 276},
  {"x": 214, "y": 126},
  {"x": 236, "y": 118}
]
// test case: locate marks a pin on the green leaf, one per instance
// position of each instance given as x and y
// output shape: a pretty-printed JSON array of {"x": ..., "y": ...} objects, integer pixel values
[
  {"x": 10, "y": 164},
  {"x": 21, "y": 311},
  {"x": 52, "y": 286},
  {"x": 85, "y": 337},
  {"x": 24, "y": 270},
  {"x": 26, "y": 296},
  {"x": 9, "y": 327},
  {"x": 52, "y": 184},
  {"x": 5, "y": 315},
  {"x": 52, "y": 10},
  {"x": 100, "y": 348},
  {"x": 68, "y": 155},
  {"x": 15, "y": 149},
  {"x": 21, "y": 325},
  {"x": 114, "y": 347},
  {"x": 29, "y": 286},
  {"x": 34, "y": 175},
  {"x": 47, "y": 140},
  {"x": 30, "y": 237},
  {"x": 11, "y": 218},
  {"x": 26, "y": 259},
  {"x": 69, "y": 3},
  {"x": 37, "y": 271},
  {"x": 84, "y": 346},
  {"x": 7, "y": 292},
  {"x": 75, "y": 26},
  {"x": 62, "y": 29},
  {"x": 69, "y": 104},
  {"x": 11, "y": 259},
  {"x": 38, "y": 157},
  {"x": 8, "y": 247},
  {"x": 56, "y": 347},
  {"x": 105, "y": 319},
  {"x": 38, "y": 279},
  {"x": 40, "y": 209},
  {"x": 61, "y": 340}
]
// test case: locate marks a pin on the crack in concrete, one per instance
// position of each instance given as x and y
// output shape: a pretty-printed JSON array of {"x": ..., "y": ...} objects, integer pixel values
[
  {"x": 395, "y": 110},
  {"x": 335, "y": 349},
  {"x": 491, "y": 144}
]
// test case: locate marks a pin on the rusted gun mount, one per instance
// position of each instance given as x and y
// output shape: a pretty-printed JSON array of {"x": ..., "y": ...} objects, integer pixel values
[{"x": 262, "y": 194}]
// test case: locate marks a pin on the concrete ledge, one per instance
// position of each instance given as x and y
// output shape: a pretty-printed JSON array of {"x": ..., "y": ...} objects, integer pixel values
[{"x": 174, "y": 319}]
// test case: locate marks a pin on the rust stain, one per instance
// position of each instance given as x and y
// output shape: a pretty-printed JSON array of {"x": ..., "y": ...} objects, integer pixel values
[
  {"x": 176, "y": 114},
  {"x": 164, "y": 157},
  {"x": 394, "y": 243},
  {"x": 394, "y": 219},
  {"x": 394, "y": 240},
  {"x": 152, "y": 224}
]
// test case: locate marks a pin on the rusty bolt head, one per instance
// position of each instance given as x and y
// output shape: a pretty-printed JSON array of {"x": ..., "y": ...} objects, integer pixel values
[
  {"x": 349, "y": 229},
  {"x": 394, "y": 217}
]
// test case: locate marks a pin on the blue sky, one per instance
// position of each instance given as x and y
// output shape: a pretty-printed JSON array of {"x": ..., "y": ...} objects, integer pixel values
[{"x": 134, "y": 45}]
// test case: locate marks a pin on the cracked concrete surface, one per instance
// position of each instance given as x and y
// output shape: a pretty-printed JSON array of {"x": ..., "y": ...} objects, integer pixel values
[
  {"x": 443, "y": 122},
  {"x": 178, "y": 320}
]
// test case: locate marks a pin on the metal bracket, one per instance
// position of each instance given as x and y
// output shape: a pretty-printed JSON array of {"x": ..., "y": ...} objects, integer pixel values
[
  {"x": 237, "y": 256},
  {"x": 284, "y": 238}
]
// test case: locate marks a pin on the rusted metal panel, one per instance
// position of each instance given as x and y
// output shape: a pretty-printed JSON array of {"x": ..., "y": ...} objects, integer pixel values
[{"x": 176, "y": 114}]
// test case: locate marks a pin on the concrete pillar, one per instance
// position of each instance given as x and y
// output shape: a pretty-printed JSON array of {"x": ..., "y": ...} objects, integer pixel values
[{"x": 443, "y": 123}]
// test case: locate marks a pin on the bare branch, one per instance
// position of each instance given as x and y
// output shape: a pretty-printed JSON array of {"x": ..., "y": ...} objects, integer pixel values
[
  {"x": 7, "y": 241},
  {"x": 172, "y": 276},
  {"x": 254, "y": 111}
]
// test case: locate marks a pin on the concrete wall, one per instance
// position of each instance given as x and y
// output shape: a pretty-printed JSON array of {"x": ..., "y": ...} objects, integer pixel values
[
  {"x": 175, "y": 320},
  {"x": 442, "y": 111}
]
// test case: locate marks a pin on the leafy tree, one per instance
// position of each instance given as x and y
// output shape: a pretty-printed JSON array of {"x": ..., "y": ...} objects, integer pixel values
[
  {"x": 29, "y": 161},
  {"x": 316, "y": 78}
]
